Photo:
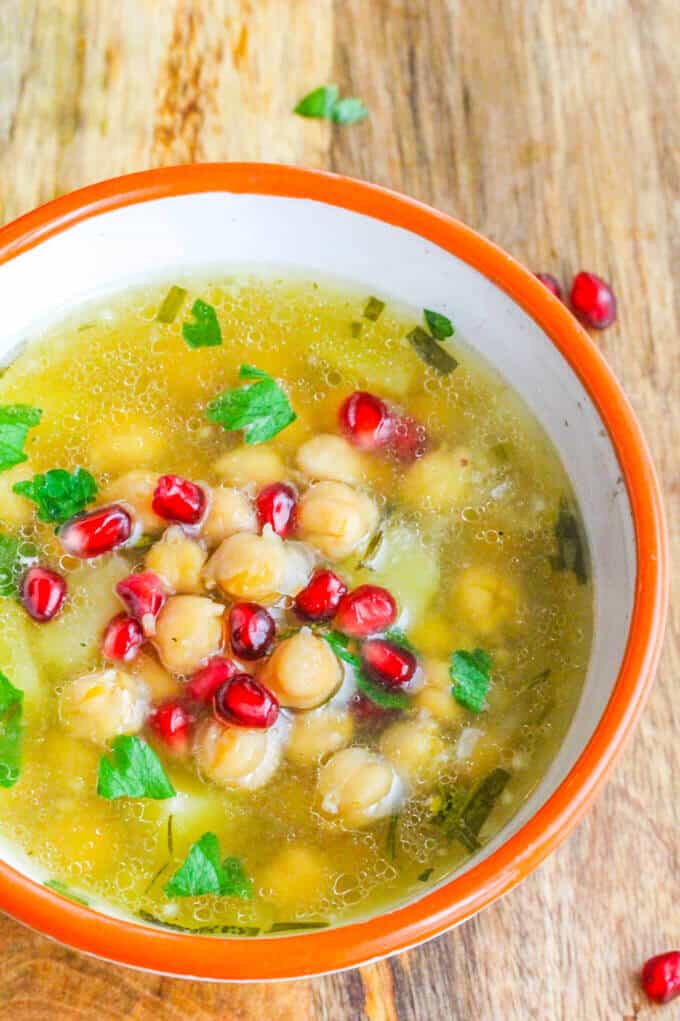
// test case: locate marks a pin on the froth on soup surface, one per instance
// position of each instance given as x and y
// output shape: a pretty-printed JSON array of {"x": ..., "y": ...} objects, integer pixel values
[{"x": 388, "y": 764}]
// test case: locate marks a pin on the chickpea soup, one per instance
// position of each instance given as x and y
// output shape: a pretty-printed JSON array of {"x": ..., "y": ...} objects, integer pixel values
[{"x": 295, "y": 603}]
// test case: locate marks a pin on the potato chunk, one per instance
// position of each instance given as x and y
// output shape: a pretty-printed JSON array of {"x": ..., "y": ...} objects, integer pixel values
[
  {"x": 189, "y": 630},
  {"x": 101, "y": 705},
  {"x": 120, "y": 447},
  {"x": 15, "y": 509},
  {"x": 485, "y": 599},
  {"x": 336, "y": 519},
  {"x": 237, "y": 756},
  {"x": 358, "y": 787},
  {"x": 330, "y": 458},
  {"x": 295, "y": 874},
  {"x": 439, "y": 481},
  {"x": 230, "y": 511},
  {"x": 303, "y": 672},
  {"x": 258, "y": 465},
  {"x": 178, "y": 559}
]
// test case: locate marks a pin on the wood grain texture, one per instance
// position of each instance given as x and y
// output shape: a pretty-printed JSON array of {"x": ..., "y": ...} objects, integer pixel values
[{"x": 552, "y": 127}]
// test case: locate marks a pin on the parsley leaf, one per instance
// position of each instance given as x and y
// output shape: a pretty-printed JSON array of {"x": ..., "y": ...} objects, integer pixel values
[
  {"x": 15, "y": 421},
  {"x": 15, "y": 555},
  {"x": 262, "y": 409},
  {"x": 64, "y": 891},
  {"x": 338, "y": 643},
  {"x": 58, "y": 494},
  {"x": 324, "y": 103},
  {"x": 11, "y": 709},
  {"x": 205, "y": 331},
  {"x": 470, "y": 672},
  {"x": 382, "y": 697},
  {"x": 440, "y": 326},
  {"x": 432, "y": 353},
  {"x": 172, "y": 303},
  {"x": 396, "y": 635},
  {"x": 202, "y": 873},
  {"x": 133, "y": 771}
]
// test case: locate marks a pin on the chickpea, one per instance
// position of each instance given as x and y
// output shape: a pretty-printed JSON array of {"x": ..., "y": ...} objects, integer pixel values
[
  {"x": 189, "y": 629},
  {"x": 359, "y": 786},
  {"x": 103, "y": 704},
  {"x": 258, "y": 567},
  {"x": 257, "y": 464},
  {"x": 293, "y": 873},
  {"x": 330, "y": 458},
  {"x": 15, "y": 509},
  {"x": 120, "y": 447},
  {"x": 236, "y": 756},
  {"x": 230, "y": 511},
  {"x": 160, "y": 683},
  {"x": 485, "y": 599},
  {"x": 178, "y": 560},
  {"x": 303, "y": 672},
  {"x": 438, "y": 481},
  {"x": 435, "y": 696},
  {"x": 317, "y": 735},
  {"x": 336, "y": 519},
  {"x": 414, "y": 747},
  {"x": 136, "y": 488}
]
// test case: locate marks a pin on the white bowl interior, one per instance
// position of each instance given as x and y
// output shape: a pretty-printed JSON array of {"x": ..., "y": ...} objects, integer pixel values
[{"x": 159, "y": 237}]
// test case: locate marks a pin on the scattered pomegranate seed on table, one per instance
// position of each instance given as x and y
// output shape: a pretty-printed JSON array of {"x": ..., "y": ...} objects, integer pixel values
[
  {"x": 593, "y": 300},
  {"x": 123, "y": 638},
  {"x": 661, "y": 977},
  {"x": 409, "y": 439},
  {"x": 172, "y": 721},
  {"x": 42, "y": 593},
  {"x": 320, "y": 598},
  {"x": 366, "y": 420},
  {"x": 388, "y": 663},
  {"x": 177, "y": 499},
  {"x": 366, "y": 610},
  {"x": 551, "y": 282},
  {"x": 144, "y": 596},
  {"x": 202, "y": 685},
  {"x": 276, "y": 507},
  {"x": 251, "y": 630},
  {"x": 99, "y": 531},
  {"x": 246, "y": 702}
]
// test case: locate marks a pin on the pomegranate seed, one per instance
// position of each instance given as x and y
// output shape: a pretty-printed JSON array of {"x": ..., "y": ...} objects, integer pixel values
[
  {"x": 251, "y": 630},
  {"x": 593, "y": 300},
  {"x": 43, "y": 593},
  {"x": 551, "y": 282},
  {"x": 246, "y": 702},
  {"x": 409, "y": 439},
  {"x": 99, "y": 531},
  {"x": 367, "y": 712},
  {"x": 204, "y": 683},
  {"x": 366, "y": 420},
  {"x": 276, "y": 507},
  {"x": 661, "y": 977},
  {"x": 123, "y": 638},
  {"x": 144, "y": 596},
  {"x": 366, "y": 610},
  {"x": 320, "y": 598},
  {"x": 388, "y": 663},
  {"x": 177, "y": 499},
  {"x": 172, "y": 721}
]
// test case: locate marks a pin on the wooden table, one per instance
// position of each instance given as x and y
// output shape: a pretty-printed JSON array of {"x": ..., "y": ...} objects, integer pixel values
[{"x": 552, "y": 127}]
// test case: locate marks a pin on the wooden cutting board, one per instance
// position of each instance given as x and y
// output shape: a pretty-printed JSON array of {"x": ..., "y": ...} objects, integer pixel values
[{"x": 551, "y": 126}]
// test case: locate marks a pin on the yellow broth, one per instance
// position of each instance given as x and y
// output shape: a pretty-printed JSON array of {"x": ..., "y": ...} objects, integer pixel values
[{"x": 120, "y": 390}]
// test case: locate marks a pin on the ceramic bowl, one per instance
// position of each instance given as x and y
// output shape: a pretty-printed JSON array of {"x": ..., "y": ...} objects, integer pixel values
[{"x": 97, "y": 240}]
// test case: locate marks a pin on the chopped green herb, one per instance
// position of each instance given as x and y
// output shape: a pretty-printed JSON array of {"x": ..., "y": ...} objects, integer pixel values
[
  {"x": 156, "y": 876},
  {"x": 81, "y": 329},
  {"x": 11, "y": 710},
  {"x": 392, "y": 837},
  {"x": 202, "y": 930},
  {"x": 58, "y": 494},
  {"x": 372, "y": 550},
  {"x": 14, "y": 557},
  {"x": 447, "y": 807},
  {"x": 262, "y": 409},
  {"x": 172, "y": 303},
  {"x": 462, "y": 815},
  {"x": 432, "y": 353},
  {"x": 381, "y": 696},
  {"x": 396, "y": 635},
  {"x": 571, "y": 544},
  {"x": 63, "y": 890},
  {"x": 538, "y": 680},
  {"x": 324, "y": 103},
  {"x": 482, "y": 800},
  {"x": 501, "y": 451},
  {"x": 15, "y": 421},
  {"x": 143, "y": 543},
  {"x": 424, "y": 876},
  {"x": 355, "y": 329},
  {"x": 133, "y": 771},
  {"x": 471, "y": 676},
  {"x": 338, "y": 643},
  {"x": 296, "y": 926},
  {"x": 373, "y": 309},
  {"x": 202, "y": 873},
  {"x": 205, "y": 331},
  {"x": 170, "y": 841},
  {"x": 440, "y": 327}
]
